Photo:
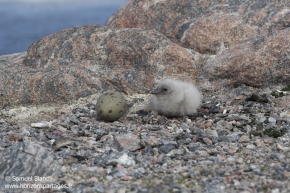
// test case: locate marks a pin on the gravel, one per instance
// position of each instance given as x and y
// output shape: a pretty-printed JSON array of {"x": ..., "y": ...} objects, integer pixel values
[{"x": 237, "y": 142}]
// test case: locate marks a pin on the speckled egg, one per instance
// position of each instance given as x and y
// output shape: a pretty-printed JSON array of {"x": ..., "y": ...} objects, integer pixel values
[{"x": 111, "y": 106}]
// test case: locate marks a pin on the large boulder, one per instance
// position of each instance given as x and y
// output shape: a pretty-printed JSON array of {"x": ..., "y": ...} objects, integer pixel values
[
  {"x": 217, "y": 44},
  {"x": 248, "y": 41},
  {"x": 80, "y": 61}
]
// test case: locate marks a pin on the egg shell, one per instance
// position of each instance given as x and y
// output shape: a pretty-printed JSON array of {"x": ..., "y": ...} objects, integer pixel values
[{"x": 111, "y": 106}]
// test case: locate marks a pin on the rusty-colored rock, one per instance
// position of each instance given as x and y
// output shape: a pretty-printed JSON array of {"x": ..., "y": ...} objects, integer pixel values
[
  {"x": 205, "y": 26},
  {"x": 255, "y": 63},
  {"x": 170, "y": 17},
  {"x": 219, "y": 44},
  {"x": 248, "y": 40},
  {"x": 80, "y": 61}
]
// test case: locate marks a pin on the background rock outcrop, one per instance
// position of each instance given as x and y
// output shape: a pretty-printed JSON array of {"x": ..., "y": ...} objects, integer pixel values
[
  {"x": 205, "y": 26},
  {"x": 217, "y": 44},
  {"x": 80, "y": 61},
  {"x": 248, "y": 40}
]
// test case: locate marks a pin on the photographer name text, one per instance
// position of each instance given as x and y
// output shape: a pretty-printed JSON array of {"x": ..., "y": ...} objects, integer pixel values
[{"x": 27, "y": 179}]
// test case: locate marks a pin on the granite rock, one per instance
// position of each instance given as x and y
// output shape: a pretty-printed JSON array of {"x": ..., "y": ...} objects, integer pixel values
[
  {"x": 216, "y": 44},
  {"x": 128, "y": 142},
  {"x": 28, "y": 160},
  {"x": 81, "y": 61},
  {"x": 248, "y": 41}
]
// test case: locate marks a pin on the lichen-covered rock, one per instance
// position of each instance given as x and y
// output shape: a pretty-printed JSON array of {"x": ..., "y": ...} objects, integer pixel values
[{"x": 80, "y": 61}]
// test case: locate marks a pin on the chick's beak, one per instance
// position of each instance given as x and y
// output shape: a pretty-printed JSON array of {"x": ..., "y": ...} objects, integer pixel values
[{"x": 155, "y": 91}]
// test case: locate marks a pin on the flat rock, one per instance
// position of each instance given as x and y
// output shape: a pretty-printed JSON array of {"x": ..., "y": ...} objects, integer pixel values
[
  {"x": 128, "y": 142},
  {"x": 28, "y": 160}
]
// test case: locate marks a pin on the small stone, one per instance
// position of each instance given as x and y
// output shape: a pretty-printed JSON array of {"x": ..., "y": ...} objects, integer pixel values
[
  {"x": 240, "y": 160},
  {"x": 259, "y": 98},
  {"x": 207, "y": 141},
  {"x": 201, "y": 153},
  {"x": 251, "y": 146},
  {"x": 248, "y": 128},
  {"x": 234, "y": 136},
  {"x": 239, "y": 97},
  {"x": 214, "y": 133},
  {"x": 117, "y": 158},
  {"x": 166, "y": 148},
  {"x": 148, "y": 150},
  {"x": 61, "y": 142},
  {"x": 12, "y": 137},
  {"x": 244, "y": 139},
  {"x": 43, "y": 124},
  {"x": 253, "y": 184},
  {"x": 127, "y": 141},
  {"x": 126, "y": 178},
  {"x": 56, "y": 133},
  {"x": 149, "y": 141},
  {"x": 231, "y": 159},
  {"x": 276, "y": 190},
  {"x": 280, "y": 147},
  {"x": 286, "y": 174},
  {"x": 117, "y": 173},
  {"x": 262, "y": 120},
  {"x": 268, "y": 140},
  {"x": 2, "y": 120},
  {"x": 109, "y": 178},
  {"x": 175, "y": 152},
  {"x": 61, "y": 128},
  {"x": 208, "y": 124},
  {"x": 214, "y": 109},
  {"x": 259, "y": 143},
  {"x": 236, "y": 182},
  {"x": 271, "y": 120},
  {"x": 192, "y": 148}
]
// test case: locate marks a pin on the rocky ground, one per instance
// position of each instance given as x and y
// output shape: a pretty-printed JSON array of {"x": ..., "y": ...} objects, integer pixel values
[{"x": 237, "y": 142}]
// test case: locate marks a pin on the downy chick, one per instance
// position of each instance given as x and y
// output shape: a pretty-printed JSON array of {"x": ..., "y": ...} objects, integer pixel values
[{"x": 174, "y": 98}]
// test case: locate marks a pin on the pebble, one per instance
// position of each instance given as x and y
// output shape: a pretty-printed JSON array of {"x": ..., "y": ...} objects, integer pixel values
[
  {"x": 42, "y": 124},
  {"x": 271, "y": 120},
  {"x": 244, "y": 139},
  {"x": 251, "y": 146},
  {"x": 259, "y": 143}
]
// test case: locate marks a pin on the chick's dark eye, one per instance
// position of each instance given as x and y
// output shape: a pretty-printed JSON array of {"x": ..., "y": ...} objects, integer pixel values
[{"x": 165, "y": 89}]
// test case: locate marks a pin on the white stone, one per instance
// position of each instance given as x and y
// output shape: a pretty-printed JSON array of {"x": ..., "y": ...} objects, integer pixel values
[
  {"x": 276, "y": 190},
  {"x": 43, "y": 124},
  {"x": 251, "y": 146},
  {"x": 126, "y": 160},
  {"x": 271, "y": 120}
]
